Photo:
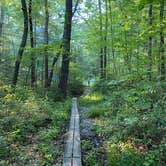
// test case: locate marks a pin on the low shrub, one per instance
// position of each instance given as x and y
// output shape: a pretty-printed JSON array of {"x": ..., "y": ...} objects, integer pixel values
[{"x": 76, "y": 88}]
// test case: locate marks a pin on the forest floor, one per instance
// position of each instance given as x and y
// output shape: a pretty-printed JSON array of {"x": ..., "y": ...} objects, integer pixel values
[{"x": 92, "y": 146}]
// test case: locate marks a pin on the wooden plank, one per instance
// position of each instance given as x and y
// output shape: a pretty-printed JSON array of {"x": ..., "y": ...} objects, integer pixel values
[
  {"x": 67, "y": 162},
  {"x": 69, "y": 144},
  {"x": 76, "y": 146},
  {"x": 77, "y": 162},
  {"x": 72, "y": 123},
  {"x": 77, "y": 122}
]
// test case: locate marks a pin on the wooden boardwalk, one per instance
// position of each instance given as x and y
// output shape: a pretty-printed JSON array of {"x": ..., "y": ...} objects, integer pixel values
[{"x": 72, "y": 153}]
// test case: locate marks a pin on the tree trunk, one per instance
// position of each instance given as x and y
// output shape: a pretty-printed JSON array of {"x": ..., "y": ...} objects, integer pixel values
[
  {"x": 35, "y": 44},
  {"x": 23, "y": 43},
  {"x": 66, "y": 48},
  {"x": 55, "y": 59},
  {"x": 33, "y": 74},
  {"x": 161, "y": 49},
  {"x": 52, "y": 70},
  {"x": 1, "y": 30},
  {"x": 150, "y": 44},
  {"x": 46, "y": 43},
  {"x": 105, "y": 40},
  {"x": 101, "y": 41},
  {"x": 112, "y": 37}
]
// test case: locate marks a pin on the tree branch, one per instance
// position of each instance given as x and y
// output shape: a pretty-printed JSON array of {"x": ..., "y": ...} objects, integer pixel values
[{"x": 75, "y": 8}]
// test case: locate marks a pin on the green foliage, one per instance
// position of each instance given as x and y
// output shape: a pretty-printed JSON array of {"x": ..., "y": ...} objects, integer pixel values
[
  {"x": 26, "y": 120},
  {"x": 75, "y": 85},
  {"x": 97, "y": 111},
  {"x": 90, "y": 99},
  {"x": 75, "y": 88},
  {"x": 91, "y": 156},
  {"x": 124, "y": 154},
  {"x": 130, "y": 118},
  {"x": 85, "y": 145},
  {"x": 90, "y": 160}
]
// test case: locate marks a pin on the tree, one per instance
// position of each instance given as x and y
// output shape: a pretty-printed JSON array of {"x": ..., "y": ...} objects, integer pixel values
[
  {"x": 66, "y": 48},
  {"x": 150, "y": 12},
  {"x": 33, "y": 75},
  {"x": 46, "y": 42},
  {"x": 23, "y": 43},
  {"x": 1, "y": 29},
  {"x": 112, "y": 36},
  {"x": 101, "y": 43},
  {"x": 105, "y": 39},
  {"x": 161, "y": 47},
  {"x": 55, "y": 59}
]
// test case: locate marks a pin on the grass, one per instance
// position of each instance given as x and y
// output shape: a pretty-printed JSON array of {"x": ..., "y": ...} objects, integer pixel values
[
  {"x": 97, "y": 111},
  {"x": 90, "y": 99}
]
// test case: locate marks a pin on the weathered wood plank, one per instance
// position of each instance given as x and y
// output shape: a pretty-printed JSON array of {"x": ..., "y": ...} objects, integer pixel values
[
  {"x": 77, "y": 122},
  {"x": 67, "y": 162},
  {"x": 72, "y": 123},
  {"x": 69, "y": 144},
  {"x": 76, "y": 146},
  {"x": 77, "y": 162}
]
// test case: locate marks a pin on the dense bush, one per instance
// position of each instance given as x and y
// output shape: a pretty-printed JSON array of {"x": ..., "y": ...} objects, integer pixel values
[{"x": 76, "y": 88}]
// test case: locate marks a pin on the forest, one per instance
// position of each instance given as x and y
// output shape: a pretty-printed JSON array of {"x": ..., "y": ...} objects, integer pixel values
[{"x": 109, "y": 54}]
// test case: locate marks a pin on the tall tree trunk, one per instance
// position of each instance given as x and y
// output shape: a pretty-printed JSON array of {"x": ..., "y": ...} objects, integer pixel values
[
  {"x": 66, "y": 48},
  {"x": 35, "y": 43},
  {"x": 112, "y": 37},
  {"x": 23, "y": 43},
  {"x": 161, "y": 49},
  {"x": 150, "y": 12},
  {"x": 105, "y": 40},
  {"x": 46, "y": 43},
  {"x": 33, "y": 75},
  {"x": 1, "y": 29},
  {"x": 101, "y": 39}
]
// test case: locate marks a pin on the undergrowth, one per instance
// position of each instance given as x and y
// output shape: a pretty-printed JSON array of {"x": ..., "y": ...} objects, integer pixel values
[
  {"x": 131, "y": 118},
  {"x": 29, "y": 125}
]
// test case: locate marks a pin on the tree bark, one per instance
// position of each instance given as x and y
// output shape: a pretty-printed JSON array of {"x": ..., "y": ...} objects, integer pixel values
[
  {"x": 23, "y": 43},
  {"x": 150, "y": 12},
  {"x": 66, "y": 48},
  {"x": 46, "y": 43},
  {"x": 1, "y": 30},
  {"x": 105, "y": 40},
  {"x": 33, "y": 74},
  {"x": 52, "y": 70},
  {"x": 112, "y": 37},
  {"x": 101, "y": 42},
  {"x": 161, "y": 48}
]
